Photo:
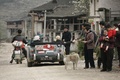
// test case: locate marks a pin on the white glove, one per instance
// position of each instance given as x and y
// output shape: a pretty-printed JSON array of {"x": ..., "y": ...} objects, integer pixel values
[{"x": 73, "y": 41}]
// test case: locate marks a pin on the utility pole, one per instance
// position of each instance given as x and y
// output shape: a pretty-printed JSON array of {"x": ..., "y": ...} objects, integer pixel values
[
  {"x": 44, "y": 31},
  {"x": 33, "y": 20}
]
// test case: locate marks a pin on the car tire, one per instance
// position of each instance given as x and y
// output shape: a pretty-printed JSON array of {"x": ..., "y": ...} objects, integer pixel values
[
  {"x": 29, "y": 64},
  {"x": 61, "y": 62}
]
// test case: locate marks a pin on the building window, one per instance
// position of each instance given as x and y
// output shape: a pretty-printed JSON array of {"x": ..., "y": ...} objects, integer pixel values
[
  {"x": 10, "y": 23},
  {"x": 19, "y": 22},
  {"x": 81, "y": 21},
  {"x": 76, "y": 27},
  {"x": 52, "y": 24},
  {"x": 73, "y": 36}
]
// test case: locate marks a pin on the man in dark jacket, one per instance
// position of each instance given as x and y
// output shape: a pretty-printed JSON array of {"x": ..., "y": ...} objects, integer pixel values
[
  {"x": 66, "y": 37},
  {"x": 102, "y": 25},
  {"x": 19, "y": 37},
  {"x": 117, "y": 43}
]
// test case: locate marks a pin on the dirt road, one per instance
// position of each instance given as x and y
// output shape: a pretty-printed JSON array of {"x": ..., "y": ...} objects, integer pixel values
[{"x": 48, "y": 71}]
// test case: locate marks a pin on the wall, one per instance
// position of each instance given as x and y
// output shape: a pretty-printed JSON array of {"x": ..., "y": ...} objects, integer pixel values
[{"x": 113, "y": 4}]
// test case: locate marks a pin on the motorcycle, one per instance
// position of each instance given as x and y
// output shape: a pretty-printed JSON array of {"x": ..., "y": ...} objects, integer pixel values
[{"x": 17, "y": 52}]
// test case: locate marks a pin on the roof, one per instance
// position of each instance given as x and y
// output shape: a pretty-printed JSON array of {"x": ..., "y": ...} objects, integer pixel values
[
  {"x": 66, "y": 11},
  {"x": 102, "y": 9},
  {"x": 20, "y": 17},
  {"x": 51, "y": 5},
  {"x": 61, "y": 8}
]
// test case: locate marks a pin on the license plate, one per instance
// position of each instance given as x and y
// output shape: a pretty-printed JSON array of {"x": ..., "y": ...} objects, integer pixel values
[
  {"x": 41, "y": 52},
  {"x": 17, "y": 52},
  {"x": 44, "y": 58},
  {"x": 50, "y": 51}
]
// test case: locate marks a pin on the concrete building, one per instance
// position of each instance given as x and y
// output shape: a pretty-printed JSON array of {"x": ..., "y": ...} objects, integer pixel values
[
  {"x": 104, "y": 10},
  {"x": 23, "y": 23}
]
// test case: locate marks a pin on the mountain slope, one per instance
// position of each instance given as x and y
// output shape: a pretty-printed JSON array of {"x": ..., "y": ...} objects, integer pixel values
[{"x": 11, "y": 8}]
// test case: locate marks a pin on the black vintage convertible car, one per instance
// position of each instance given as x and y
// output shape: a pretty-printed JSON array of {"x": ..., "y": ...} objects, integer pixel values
[{"x": 45, "y": 52}]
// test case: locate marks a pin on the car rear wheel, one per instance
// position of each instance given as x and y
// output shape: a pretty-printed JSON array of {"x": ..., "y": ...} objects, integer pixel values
[
  {"x": 61, "y": 62},
  {"x": 29, "y": 64}
]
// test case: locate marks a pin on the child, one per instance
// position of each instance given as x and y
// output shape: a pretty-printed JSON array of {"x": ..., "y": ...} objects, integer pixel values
[{"x": 111, "y": 31}]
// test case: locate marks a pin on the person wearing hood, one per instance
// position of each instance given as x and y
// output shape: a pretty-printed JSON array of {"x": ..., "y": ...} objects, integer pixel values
[{"x": 36, "y": 39}]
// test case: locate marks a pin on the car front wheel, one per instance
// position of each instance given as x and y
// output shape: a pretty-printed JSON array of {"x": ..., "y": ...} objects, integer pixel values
[{"x": 61, "y": 62}]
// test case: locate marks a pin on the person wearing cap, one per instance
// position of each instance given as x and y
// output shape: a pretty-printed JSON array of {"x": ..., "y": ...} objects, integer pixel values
[
  {"x": 58, "y": 38},
  {"x": 88, "y": 47},
  {"x": 66, "y": 37},
  {"x": 19, "y": 37},
  {"x": 117, "y": 43},
  {"x": 36, "y": 39}
]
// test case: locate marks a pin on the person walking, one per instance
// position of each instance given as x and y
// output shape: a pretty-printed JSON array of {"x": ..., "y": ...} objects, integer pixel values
[
  {"x": 66, "y": 37},
  {"x": 88, "y": 47}
]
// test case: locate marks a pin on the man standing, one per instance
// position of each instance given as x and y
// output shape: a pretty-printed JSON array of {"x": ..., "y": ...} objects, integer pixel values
[
  {"x": 88, "y": 47},
  {"x": 66, "y": 37},
  {"x": 102, "y": 25},
  {"x": 117, "y": 42}
]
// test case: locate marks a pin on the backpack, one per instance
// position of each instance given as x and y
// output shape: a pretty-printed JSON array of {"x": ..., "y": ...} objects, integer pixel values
[{"x": 95, "y": 36}]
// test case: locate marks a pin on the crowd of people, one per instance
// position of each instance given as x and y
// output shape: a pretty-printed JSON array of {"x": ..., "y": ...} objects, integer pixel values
[{"x": 109, "y": 38}]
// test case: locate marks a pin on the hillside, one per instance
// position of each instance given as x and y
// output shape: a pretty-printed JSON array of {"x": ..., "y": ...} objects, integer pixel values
[{"x": 11, "y": 8}]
